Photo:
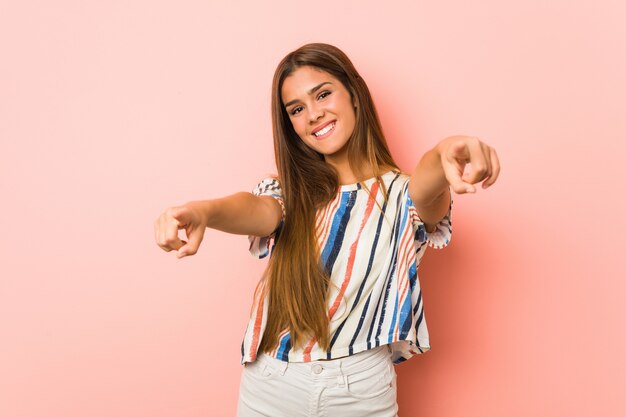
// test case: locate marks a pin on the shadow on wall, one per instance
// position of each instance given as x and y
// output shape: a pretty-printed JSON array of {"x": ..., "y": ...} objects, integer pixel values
[{"x": 470, "y": 297}]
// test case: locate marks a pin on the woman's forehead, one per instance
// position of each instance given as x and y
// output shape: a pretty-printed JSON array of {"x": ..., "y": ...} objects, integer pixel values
[{"x": 303, "y": 80}]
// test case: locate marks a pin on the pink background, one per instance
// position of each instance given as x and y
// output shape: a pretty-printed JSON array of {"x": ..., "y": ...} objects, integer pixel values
[{"x": 110, "y": 112}]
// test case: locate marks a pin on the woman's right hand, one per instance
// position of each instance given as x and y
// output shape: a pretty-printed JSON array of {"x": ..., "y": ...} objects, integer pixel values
[{"x": 166, "y": 227}]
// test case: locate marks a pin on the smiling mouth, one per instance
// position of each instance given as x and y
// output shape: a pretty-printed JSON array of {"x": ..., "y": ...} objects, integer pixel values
[{"x": 325, "y": 131}]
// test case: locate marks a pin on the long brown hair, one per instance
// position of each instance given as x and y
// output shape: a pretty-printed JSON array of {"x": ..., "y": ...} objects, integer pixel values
[{"x": 296, "y": 278}]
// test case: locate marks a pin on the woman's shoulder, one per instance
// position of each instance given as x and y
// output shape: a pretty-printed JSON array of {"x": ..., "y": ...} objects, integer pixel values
[
  {"x": 267, "y": 184},
  {"x": 395, "y": 175}
]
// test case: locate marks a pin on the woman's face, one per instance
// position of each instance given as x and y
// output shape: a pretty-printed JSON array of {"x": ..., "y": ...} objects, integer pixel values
[{"x": 321, "y": 111}]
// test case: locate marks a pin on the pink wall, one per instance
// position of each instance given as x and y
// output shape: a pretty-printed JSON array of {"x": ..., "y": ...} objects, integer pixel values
[{"x": 111, "y": 112}]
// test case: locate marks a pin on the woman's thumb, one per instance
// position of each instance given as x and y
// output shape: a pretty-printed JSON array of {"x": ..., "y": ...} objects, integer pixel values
[
  {"x": 195, "y": 235},
  {"x": 181, "y": 251}
]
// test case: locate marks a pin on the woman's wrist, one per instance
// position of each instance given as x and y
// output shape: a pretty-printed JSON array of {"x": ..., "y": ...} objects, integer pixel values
[{"x": 204, "y": 210}]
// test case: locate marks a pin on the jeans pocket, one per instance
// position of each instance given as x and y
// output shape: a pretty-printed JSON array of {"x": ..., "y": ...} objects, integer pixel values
[
  {"x": 372, "y": 383},
  {"x": 260, "y": 370}
]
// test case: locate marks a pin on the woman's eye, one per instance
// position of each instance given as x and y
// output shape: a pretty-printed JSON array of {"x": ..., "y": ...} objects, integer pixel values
[
  {"x": 324, "y": 94},
  {"x": 295, "y": 110}
]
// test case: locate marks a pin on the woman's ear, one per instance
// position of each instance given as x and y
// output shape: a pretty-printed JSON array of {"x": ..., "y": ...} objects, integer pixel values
[{"x": 355, "y": 101}]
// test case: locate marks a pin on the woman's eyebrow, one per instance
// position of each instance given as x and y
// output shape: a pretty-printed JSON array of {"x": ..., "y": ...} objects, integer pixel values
[{"x": 311, "y": 91}]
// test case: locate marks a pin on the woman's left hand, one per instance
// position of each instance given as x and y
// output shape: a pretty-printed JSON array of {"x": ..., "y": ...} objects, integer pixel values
[{"x": 458, "y": 151}]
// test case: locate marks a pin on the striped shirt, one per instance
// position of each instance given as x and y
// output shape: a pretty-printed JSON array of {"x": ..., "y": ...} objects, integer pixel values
[{"x": 373, "y": 256}]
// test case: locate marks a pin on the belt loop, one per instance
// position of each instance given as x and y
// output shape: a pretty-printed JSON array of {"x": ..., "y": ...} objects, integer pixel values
[
  {"x": 283, "y": 367},
  {"x": 342, "y": 380}
]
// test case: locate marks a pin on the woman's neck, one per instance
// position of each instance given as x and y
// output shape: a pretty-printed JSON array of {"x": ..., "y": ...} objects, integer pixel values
[{"x": 347, "y": 176}]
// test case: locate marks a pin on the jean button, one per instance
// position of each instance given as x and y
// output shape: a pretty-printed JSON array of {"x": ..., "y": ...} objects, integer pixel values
[{"x": 317, "y": 369}]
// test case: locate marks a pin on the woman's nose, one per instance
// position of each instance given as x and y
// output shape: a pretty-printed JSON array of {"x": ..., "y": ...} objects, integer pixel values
[{"x": 315, "y": 113}]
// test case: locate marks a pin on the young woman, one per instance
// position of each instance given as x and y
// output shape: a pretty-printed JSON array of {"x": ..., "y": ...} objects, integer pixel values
[{"x": 340, "y": 302}]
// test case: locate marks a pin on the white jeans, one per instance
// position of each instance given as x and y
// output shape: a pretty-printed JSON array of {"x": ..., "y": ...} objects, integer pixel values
[{"x": 360, "y": 385}]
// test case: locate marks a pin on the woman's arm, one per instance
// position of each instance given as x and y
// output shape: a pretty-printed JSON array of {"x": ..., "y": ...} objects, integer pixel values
[
  {"x": 443, "y": 167},
  {"x": 429, "y": 189},
  {"x": 241, "y": 213}
]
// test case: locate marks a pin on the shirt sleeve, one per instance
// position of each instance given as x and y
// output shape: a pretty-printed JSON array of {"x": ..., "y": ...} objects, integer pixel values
[
  {"x": 440, "y": 237},
  {"x": 260, "y": 245}
]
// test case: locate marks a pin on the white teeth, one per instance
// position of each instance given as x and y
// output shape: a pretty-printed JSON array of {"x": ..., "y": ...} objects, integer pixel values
[{"x": 325, "y": 130}]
